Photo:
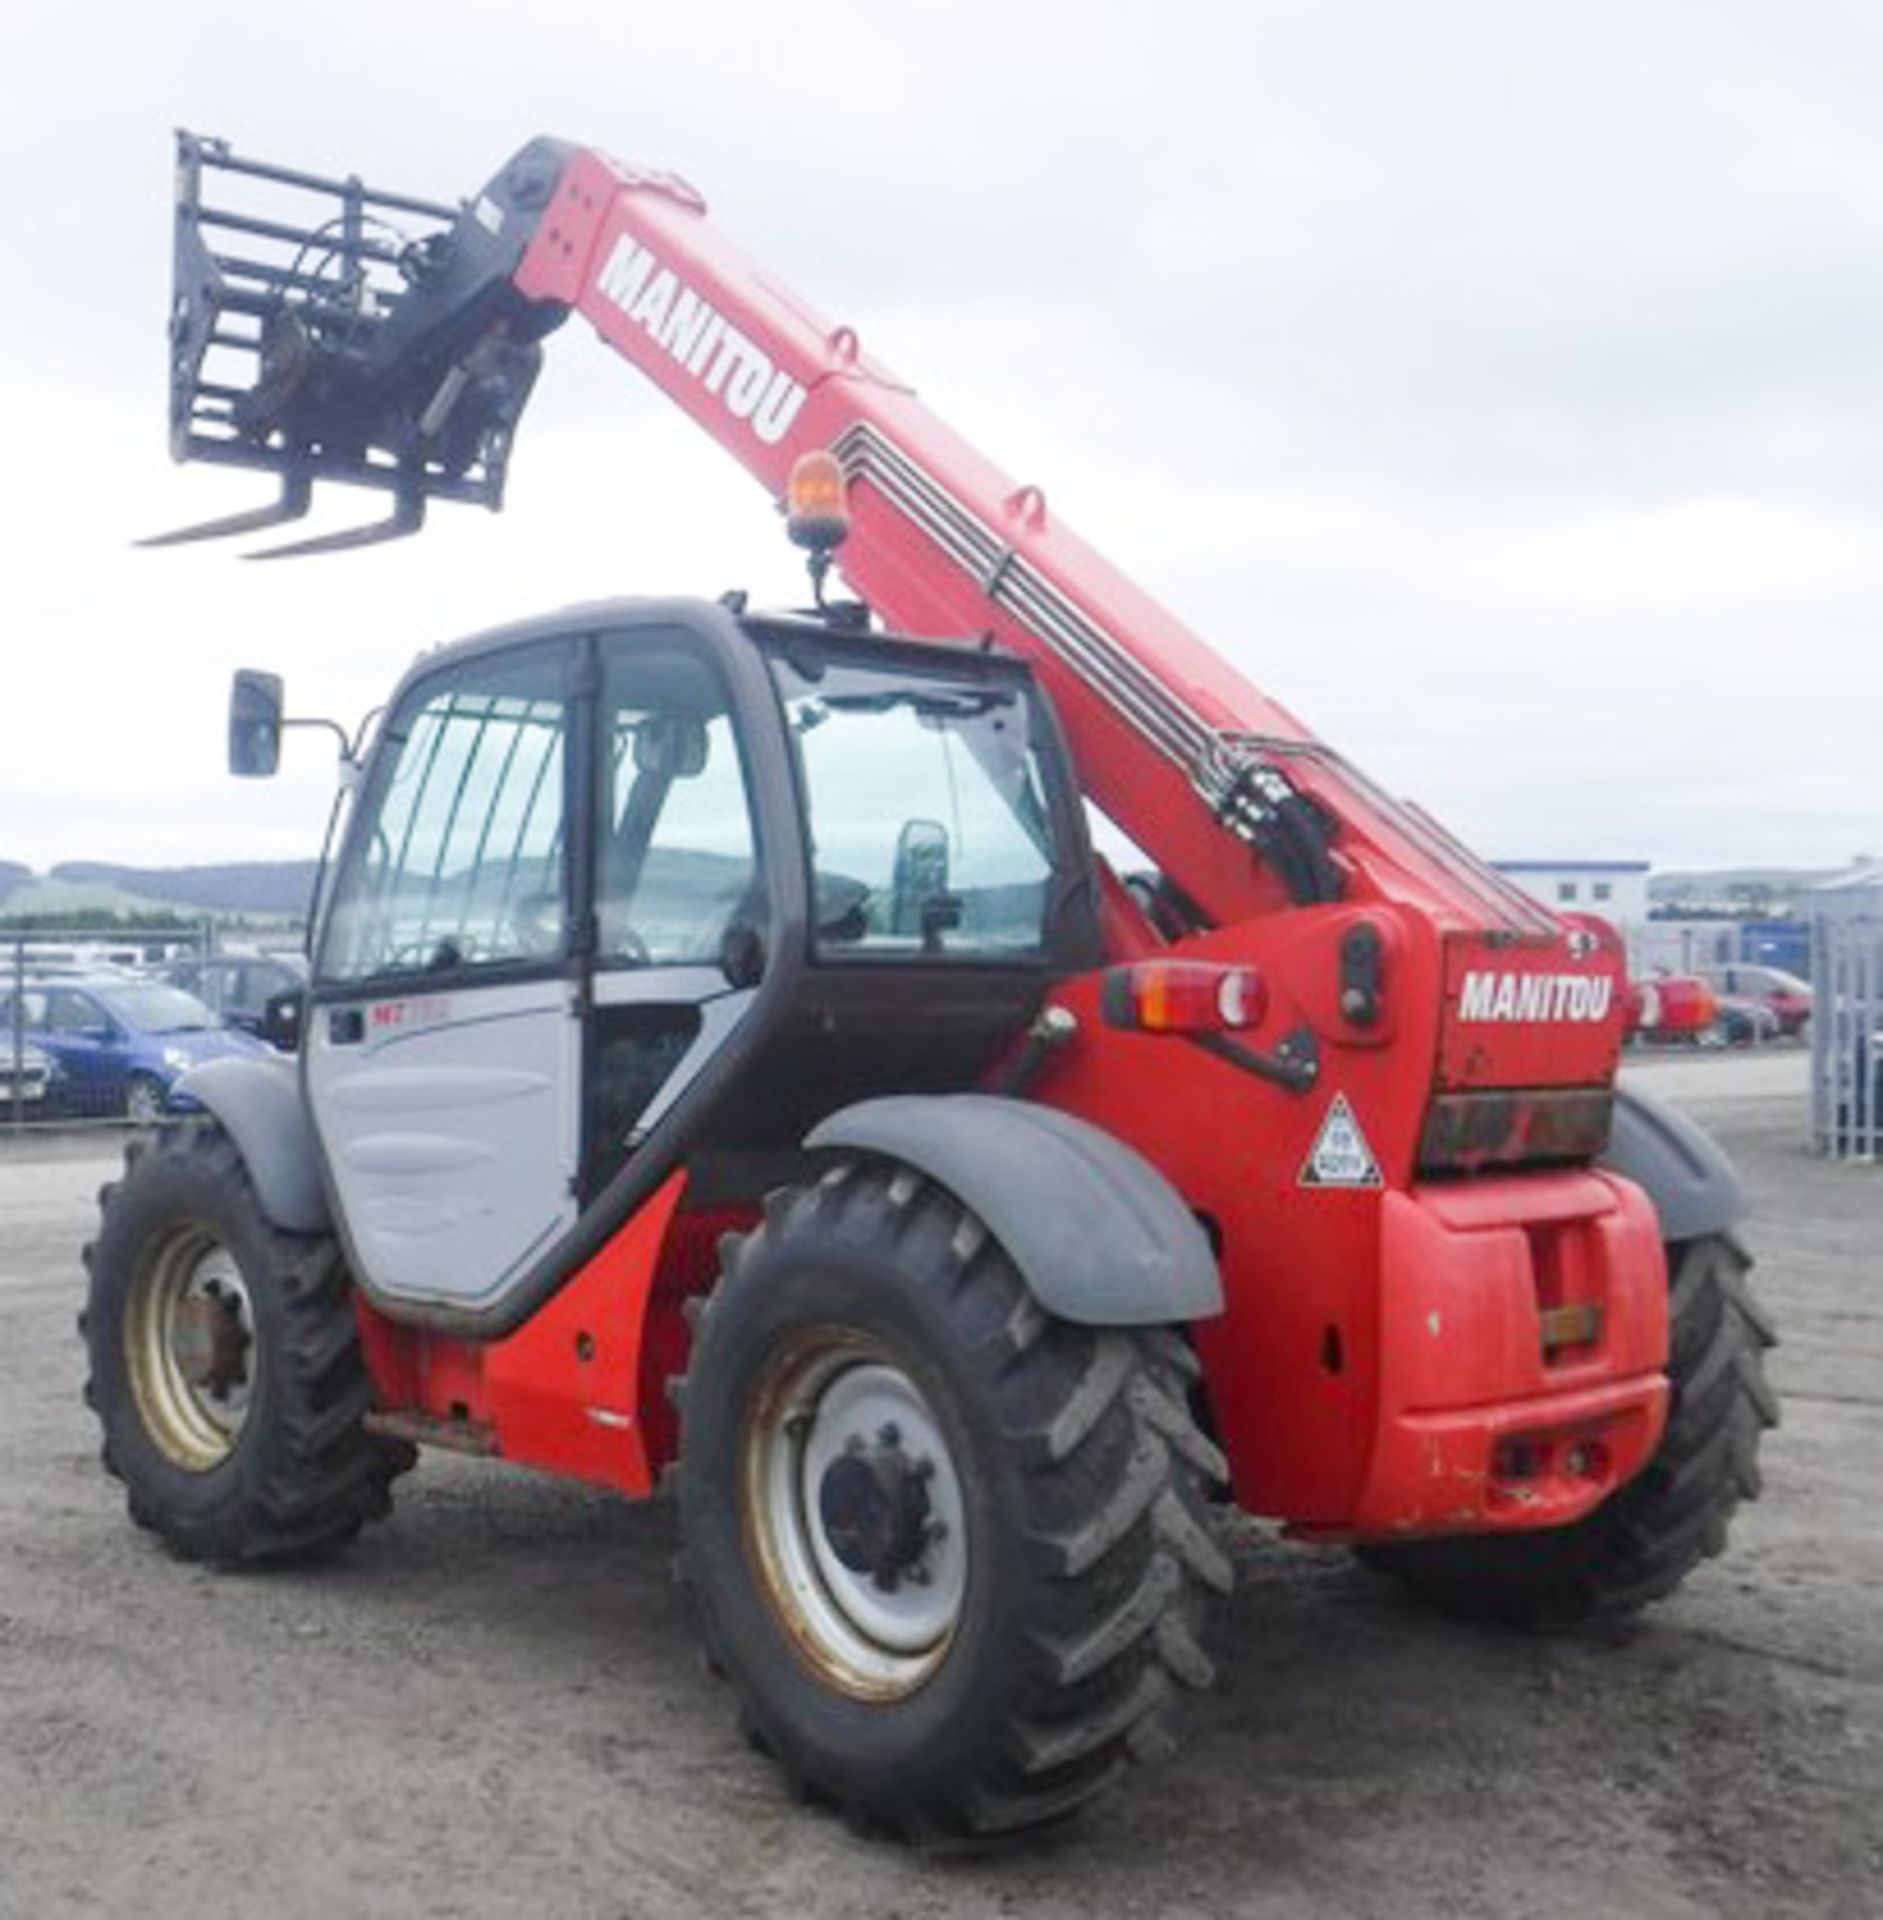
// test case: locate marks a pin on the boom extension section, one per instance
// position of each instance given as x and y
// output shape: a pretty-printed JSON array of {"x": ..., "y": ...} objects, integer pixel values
[
  {"x": 388, "y": 341},
  {"x": 325, "y": 330}
]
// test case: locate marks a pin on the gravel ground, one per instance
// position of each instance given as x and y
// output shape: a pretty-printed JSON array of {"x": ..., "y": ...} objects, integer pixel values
[{"x": 491, "y": 1706}]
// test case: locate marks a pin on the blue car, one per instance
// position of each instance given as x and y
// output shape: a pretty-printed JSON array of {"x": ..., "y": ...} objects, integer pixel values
[{"x": 119, "y": 1043}]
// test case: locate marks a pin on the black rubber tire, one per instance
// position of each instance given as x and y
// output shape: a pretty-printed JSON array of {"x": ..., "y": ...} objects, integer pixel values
[
  {"x": 1093, "y": 1567},
  {"x": 303, "y": 1474},
  {"x": 1642, "y": 1543}
]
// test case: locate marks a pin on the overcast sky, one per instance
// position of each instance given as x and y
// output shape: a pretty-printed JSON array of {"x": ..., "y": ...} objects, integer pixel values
[{"x": 1500, "y": 384}]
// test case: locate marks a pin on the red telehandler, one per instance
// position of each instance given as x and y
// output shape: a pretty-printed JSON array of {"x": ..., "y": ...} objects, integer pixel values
[{"x": 727, "y": 1061}]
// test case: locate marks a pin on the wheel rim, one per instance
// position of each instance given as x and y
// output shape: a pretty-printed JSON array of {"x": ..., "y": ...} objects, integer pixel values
[
  {"x": 190, "y": 1347},
  {"x": 143, "y": 1103},
  {"x": 854, "y": 1509}
]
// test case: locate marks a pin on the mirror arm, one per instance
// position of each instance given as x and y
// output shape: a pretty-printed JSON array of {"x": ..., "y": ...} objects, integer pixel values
[{"x": 333, "y": 726}]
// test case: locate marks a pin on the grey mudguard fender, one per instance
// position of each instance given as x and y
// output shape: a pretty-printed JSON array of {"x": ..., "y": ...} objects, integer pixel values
[
  {"x": 1100, "y": 1236},
  {"x": 1683, "y": 1170},
  {"x": 258, "y": 1103}
]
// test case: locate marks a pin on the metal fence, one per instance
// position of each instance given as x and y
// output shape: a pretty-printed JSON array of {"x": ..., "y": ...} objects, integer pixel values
[
  {"x": 65, "y": 1058},
  {"x": 1847, "y": 1033}
]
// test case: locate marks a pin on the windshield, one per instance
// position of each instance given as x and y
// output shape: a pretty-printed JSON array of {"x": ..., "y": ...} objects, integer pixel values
[
  {"x": 152, "y": 1009},
  {"x": 929, "y": 826}
]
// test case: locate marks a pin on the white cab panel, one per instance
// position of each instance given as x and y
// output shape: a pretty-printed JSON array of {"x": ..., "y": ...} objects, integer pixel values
[{"x": 451, "y": 1129}]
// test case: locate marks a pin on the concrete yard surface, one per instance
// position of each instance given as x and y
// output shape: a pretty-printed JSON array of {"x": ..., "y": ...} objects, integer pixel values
[{"x": 491, "y": 1705}]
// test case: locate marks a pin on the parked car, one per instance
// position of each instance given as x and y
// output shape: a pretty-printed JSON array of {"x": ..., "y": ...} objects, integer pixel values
[
  {"x": 120, "y": 1044},
  {"x": 1741, "y": 1021},
  {"x": 29, "y": 1079},
  {"x": 1787, "y": 996},
  {"x": 1671, "y": 1009},
  {"x": 47, "y": 957},
  {"x": 238, "y": 986}
]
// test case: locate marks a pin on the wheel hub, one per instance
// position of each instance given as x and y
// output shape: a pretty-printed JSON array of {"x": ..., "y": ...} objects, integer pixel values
[
  {"x": 874, "y": 1506},
  {"x": 209, "y": 1341},
  {"x": 858, "y": 1514},
  {"x": 190, "y": 1348}
]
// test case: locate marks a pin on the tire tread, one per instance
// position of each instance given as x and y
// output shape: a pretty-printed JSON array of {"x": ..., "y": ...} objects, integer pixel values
[
  {"x": 1113, "y": 1475},
  {"x": 324, "y": 1475}
]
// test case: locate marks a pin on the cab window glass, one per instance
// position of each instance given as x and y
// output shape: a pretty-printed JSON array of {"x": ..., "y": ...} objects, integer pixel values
[
  {"x": 929, "y": 829},
  {"x": 459, "y": 862},
  {"x": 676, "y": 862},
  {"x": 74, "y": 1013}
]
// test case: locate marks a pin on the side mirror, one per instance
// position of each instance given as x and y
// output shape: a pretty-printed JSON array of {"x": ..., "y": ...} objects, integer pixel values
[
  {"x": 254, "y": 724},
  {"x": 920, "y": 875},
  {"x": 672, "y": 745}
]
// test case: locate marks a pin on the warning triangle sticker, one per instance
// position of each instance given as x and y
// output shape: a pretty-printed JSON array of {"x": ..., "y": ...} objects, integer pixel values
[{"x": 1340, "y": 1156}]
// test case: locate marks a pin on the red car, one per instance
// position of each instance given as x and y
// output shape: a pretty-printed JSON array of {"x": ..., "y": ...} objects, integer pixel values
[
  {"x": 1787, "y": 996},
  {"x": 1672, "y": 1007}
]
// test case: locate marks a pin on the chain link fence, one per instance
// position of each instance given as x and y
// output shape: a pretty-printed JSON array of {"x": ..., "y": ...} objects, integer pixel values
[{"x": 83, "y": 1017}]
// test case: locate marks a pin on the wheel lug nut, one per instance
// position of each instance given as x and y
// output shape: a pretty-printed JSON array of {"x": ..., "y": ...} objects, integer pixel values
[
  {"x": 925, "y": 1468},
  {"x": 854, "y": 1445},
  {"x": 889, "y": 1434}
]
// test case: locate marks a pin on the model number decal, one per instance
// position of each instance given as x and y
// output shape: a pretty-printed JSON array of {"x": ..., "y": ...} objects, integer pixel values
[
  {"x": 1486, "y": 996},
  {"x": 401, "y": 1016}
]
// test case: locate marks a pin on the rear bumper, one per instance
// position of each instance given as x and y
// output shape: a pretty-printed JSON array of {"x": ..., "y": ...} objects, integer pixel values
[{"x": 1523, "y": 1342}]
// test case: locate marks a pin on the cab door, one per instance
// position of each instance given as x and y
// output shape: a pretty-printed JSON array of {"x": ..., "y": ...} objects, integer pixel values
[
  {"x": 443, "y": 1045},
  {"x": 684, "y": 924}
]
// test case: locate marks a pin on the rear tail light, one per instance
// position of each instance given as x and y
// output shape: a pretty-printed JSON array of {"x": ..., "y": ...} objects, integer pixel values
[
  {"x": 1468, "y": 1132},
  {"x": 1184, "y": 996}
]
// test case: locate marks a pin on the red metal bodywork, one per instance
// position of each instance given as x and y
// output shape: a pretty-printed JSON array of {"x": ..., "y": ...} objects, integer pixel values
[
  {"x": 1382, "y": 1347},
  {"x": 567, "y": 1390}
]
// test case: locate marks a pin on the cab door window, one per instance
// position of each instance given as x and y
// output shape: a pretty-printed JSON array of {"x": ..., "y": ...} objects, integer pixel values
[
  {"x": 677, "y": 868},
  {"x": 460, "y": 860},
  {"x": 680, "y": 913}
]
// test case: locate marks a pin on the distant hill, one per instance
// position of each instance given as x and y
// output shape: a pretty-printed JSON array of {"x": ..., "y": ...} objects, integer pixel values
[
  {"x": 243, "y": 886},
  {"x": 271, "y": 889}
]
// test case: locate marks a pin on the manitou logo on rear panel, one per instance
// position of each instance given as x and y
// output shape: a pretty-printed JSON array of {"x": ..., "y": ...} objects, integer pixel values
[
  {"x": 701, "y": 338},
  {"x": 1535, "y": 996}
]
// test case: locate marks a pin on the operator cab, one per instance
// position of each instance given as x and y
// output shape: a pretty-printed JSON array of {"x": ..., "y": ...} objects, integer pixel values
[{"x": 652, "y": 884}]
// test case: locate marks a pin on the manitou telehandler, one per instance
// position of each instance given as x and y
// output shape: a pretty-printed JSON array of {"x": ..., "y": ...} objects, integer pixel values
[{"x": 728, "y": 1060}]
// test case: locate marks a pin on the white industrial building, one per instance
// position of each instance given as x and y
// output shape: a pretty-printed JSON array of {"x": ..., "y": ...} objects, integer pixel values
[{"x": 1615, "y": 889}]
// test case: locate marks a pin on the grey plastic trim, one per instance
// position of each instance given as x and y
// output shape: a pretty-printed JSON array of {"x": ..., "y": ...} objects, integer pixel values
[
  {"x": 1683, "y": 1169},
  {"x": 1100, "y": 1236},
  {"x": 258, "y": 1102}
]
